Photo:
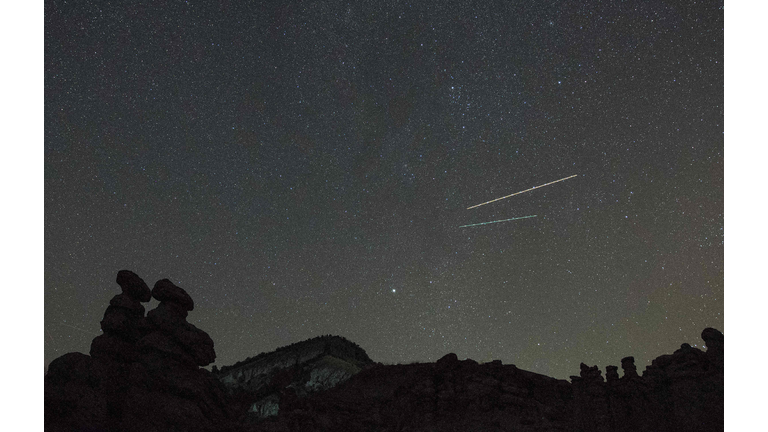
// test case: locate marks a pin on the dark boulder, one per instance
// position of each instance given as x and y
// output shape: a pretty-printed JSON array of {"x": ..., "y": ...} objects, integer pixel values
[
  {"x": 165, "y": 290},
  {"x": 109, "y": 348},
  {"x": 713, "y": 338},
  {"x": 714, "y": 342},
  {"x": 122, "y": 322},
  {"x": 629, "y": 368},
  {"x": 167, "y": 315},
  {"x": 169, "y": 320},
  {"x": 128, "y": 303},
  {"x": 72, "y": 366},
  {"x": 133, "y": 285},
  {"x": 448, "y": 361}
]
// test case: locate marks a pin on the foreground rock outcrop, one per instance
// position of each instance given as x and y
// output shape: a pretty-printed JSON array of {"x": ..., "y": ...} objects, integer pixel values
[
  {"x": 678, "y": 392},
  {"x": 682, "y": 391},
  {"x": 143, "y": 373},
  {"x": 449, "y": 395}
]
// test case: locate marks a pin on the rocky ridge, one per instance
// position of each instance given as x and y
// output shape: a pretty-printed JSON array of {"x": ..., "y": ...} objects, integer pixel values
[
  {"x": 678, "y": 392},
  {"x": 293, "y": 371},
  {"x": 144, "y": 374}
]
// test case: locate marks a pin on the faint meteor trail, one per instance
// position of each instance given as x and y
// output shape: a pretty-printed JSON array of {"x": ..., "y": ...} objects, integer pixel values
[
  {"x": 79, "y": 329},
  {"x": 504, "y": 220},
  {"x": 517, "y": 193}
]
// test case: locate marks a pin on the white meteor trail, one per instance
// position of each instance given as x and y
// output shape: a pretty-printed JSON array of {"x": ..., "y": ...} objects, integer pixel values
[
  {"x": 79, "y": 329},
  {"x": 504, "y": 220},
  {"x": 517, "y": 193}
]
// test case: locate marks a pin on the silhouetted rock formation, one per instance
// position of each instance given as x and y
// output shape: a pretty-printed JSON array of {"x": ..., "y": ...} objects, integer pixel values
[
  {"x": 611, "y": 373},
  {"x": 133, "y": 286},
  {"x": 629, "y": 368},
  {"x": 172, "y": 335},
  {"x": 678, "y": 392},
  {"x": 142, "y": 374},
  {"x": 444, "y": 396},
  {"x": 713, "y": 340}
]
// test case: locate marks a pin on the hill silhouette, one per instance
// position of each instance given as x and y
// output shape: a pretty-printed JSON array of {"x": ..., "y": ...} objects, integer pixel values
[{"x": 144, "y": 374}]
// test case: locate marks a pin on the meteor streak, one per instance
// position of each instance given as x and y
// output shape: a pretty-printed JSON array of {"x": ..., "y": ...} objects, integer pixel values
[
  {"x": 517, "y": 193},
  {"x": 73, "y": 327},
  {"x": 504, "y": 220}
]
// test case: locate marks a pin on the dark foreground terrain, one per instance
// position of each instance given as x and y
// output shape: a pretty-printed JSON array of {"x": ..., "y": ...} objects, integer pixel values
[{"x": 144, "y": 374}]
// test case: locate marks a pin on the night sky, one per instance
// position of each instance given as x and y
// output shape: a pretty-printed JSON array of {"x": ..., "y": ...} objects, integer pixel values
[{"x": 305, "y": 169}]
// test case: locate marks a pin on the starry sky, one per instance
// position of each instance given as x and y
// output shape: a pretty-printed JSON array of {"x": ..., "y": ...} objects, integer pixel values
[{"x": 305, "y": 169}]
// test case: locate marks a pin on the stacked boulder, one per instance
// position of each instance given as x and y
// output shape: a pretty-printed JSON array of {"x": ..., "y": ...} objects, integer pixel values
[
  {"x": 629, "y": 368},
  {"x": 123, "y": 321},
  {"x": 170, "y": 336},
  {"x": 143, "y": 373},
  {"x": 714, "y": 342}
]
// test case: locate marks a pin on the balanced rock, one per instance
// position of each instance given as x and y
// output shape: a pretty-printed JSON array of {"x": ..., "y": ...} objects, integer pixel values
[
  {"x": 180, "y": 340},
  {"x": 133, "y": 286},
  {"x": 628, "y": 365},
  {"x": 714, "y": 341},
  {"x": 142, "y": 374},
  {"x": 165, "y": 290},
  {"x": 712, "y": 337}
]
